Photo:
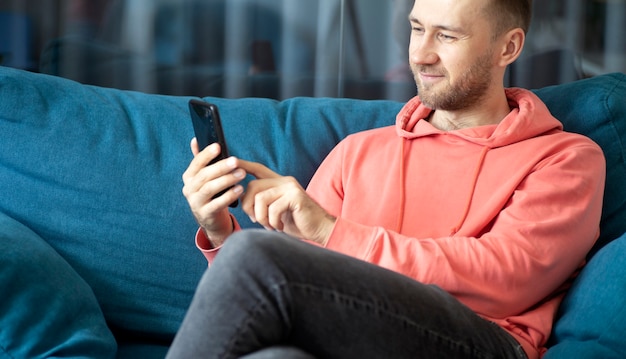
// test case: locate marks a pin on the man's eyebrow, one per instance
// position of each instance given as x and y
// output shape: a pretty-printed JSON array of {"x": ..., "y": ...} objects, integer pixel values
[{"x": 456, "y": 29}]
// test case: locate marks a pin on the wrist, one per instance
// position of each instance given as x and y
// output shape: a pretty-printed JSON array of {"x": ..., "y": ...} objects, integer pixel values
[
  {"x": 217, "y": 238},
  {"x": 326, "y": 230}
]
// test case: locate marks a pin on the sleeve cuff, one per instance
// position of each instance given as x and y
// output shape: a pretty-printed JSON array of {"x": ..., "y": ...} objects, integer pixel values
[
  {"x": 347, "y": 229},
  {"x": 205, "y": 246}
]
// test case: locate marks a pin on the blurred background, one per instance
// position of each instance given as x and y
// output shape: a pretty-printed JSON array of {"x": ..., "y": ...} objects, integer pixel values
[{"x": 280, "y": 48}]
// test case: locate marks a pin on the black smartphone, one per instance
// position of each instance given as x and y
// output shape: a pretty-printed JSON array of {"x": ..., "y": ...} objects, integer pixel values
[{"x": 207, "y": 127}]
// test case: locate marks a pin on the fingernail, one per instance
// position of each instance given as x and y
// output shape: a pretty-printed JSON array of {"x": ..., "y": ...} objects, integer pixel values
[
  {"x": 239, "y": 173},
  {"x": 231, "y": 161}
]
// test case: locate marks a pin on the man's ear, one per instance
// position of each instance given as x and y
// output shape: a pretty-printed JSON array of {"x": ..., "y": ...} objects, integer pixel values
[{"x": 512, "y": 45}]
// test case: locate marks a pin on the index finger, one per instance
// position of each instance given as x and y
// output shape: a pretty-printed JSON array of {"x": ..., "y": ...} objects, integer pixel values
[{"x": 257, "y": 170}]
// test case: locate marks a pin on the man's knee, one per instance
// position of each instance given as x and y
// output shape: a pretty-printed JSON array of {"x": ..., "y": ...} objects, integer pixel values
[
  {"x": 280, "y": 352},
  {"x": 254, "y": 247}
]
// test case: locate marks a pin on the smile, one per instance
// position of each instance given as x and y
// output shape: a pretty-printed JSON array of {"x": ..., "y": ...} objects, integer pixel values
[{"x": 430, "y": 77}]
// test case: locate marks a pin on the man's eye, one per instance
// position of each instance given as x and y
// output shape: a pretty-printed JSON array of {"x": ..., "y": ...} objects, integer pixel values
[
  {"x": 418, "y": 29},
  {"x": 445, "y": 37}
]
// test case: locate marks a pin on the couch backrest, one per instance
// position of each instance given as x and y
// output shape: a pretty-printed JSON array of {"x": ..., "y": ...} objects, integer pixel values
[
  {"x": 293, "y": 136},
  {"x": 96, "y": 172},
  {"x": 303, "y": 130}
]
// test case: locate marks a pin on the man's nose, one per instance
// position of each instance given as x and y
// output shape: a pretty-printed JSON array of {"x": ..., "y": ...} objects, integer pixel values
[{"x": 422, "y": 51}]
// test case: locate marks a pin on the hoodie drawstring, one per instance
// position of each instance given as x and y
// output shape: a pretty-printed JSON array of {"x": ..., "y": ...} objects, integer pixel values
[
  {"x": 402, "y": 187},
  {"x": 472, "y": 188}
]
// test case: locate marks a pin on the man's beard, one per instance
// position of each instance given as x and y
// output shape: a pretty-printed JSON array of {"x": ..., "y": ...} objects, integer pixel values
[{"x": 466, "y": 92}]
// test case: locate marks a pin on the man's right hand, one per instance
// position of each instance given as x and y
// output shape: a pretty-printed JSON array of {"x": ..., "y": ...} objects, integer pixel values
[{"x": 202, "y": 182}]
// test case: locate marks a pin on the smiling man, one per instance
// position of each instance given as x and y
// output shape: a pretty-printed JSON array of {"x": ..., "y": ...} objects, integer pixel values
[{"x": 452, "y": 234}]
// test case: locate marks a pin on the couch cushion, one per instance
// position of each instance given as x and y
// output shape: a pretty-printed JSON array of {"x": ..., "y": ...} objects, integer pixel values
[
  {"x": 592, "y": 316},
  {"x": 46, "y": 310},
  {"x": 96, "y": 173},
  {"x": 596, "y": 107}
]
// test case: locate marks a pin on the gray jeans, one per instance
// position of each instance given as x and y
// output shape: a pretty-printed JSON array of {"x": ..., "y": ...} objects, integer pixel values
[{"x": 268, "y": 295}]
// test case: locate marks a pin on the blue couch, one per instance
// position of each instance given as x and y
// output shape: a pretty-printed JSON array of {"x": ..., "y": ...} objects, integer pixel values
[{"x": 97, "y": 257}]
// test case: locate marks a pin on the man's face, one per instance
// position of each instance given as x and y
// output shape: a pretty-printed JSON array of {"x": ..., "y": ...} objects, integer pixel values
[{"x": 451, "y": 53}]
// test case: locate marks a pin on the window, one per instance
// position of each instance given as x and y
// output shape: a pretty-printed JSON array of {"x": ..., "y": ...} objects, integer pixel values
[{"x": 280, "y": 48}]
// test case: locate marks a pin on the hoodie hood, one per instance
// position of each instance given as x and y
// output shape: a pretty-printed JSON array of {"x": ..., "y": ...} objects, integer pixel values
[{"x": 529, "y": 118}]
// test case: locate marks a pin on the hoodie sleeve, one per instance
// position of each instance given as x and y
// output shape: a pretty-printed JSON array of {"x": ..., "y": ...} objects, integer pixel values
[
  {"x": 204, "y": 245},
  {"x": 535, "y": 243}
]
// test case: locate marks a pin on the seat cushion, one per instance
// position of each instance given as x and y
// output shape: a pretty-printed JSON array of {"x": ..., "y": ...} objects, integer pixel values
[
  {"x": 591, "y": 318},
  {"x": 46, "y": 310},
  {"x": 96, "y": 173}
]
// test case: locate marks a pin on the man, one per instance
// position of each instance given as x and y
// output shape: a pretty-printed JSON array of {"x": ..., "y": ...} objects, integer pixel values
[{"x": 478, "y": 206}]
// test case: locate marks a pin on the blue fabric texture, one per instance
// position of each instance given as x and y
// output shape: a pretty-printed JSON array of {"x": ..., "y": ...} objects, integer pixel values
[
  {"x": 592, "y": 316},
  {"x": 96, "y": 174},
  {"x": 46, "y": 309}
]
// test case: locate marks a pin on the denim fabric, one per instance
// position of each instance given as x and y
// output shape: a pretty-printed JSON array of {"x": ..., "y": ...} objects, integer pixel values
[
  {"x": 268, "y": 290},
  {"x": 279, "y": 352}
]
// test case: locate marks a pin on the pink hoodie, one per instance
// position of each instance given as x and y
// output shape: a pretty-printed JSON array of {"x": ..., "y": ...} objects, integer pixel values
[{"x": 500, "y": 216}]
